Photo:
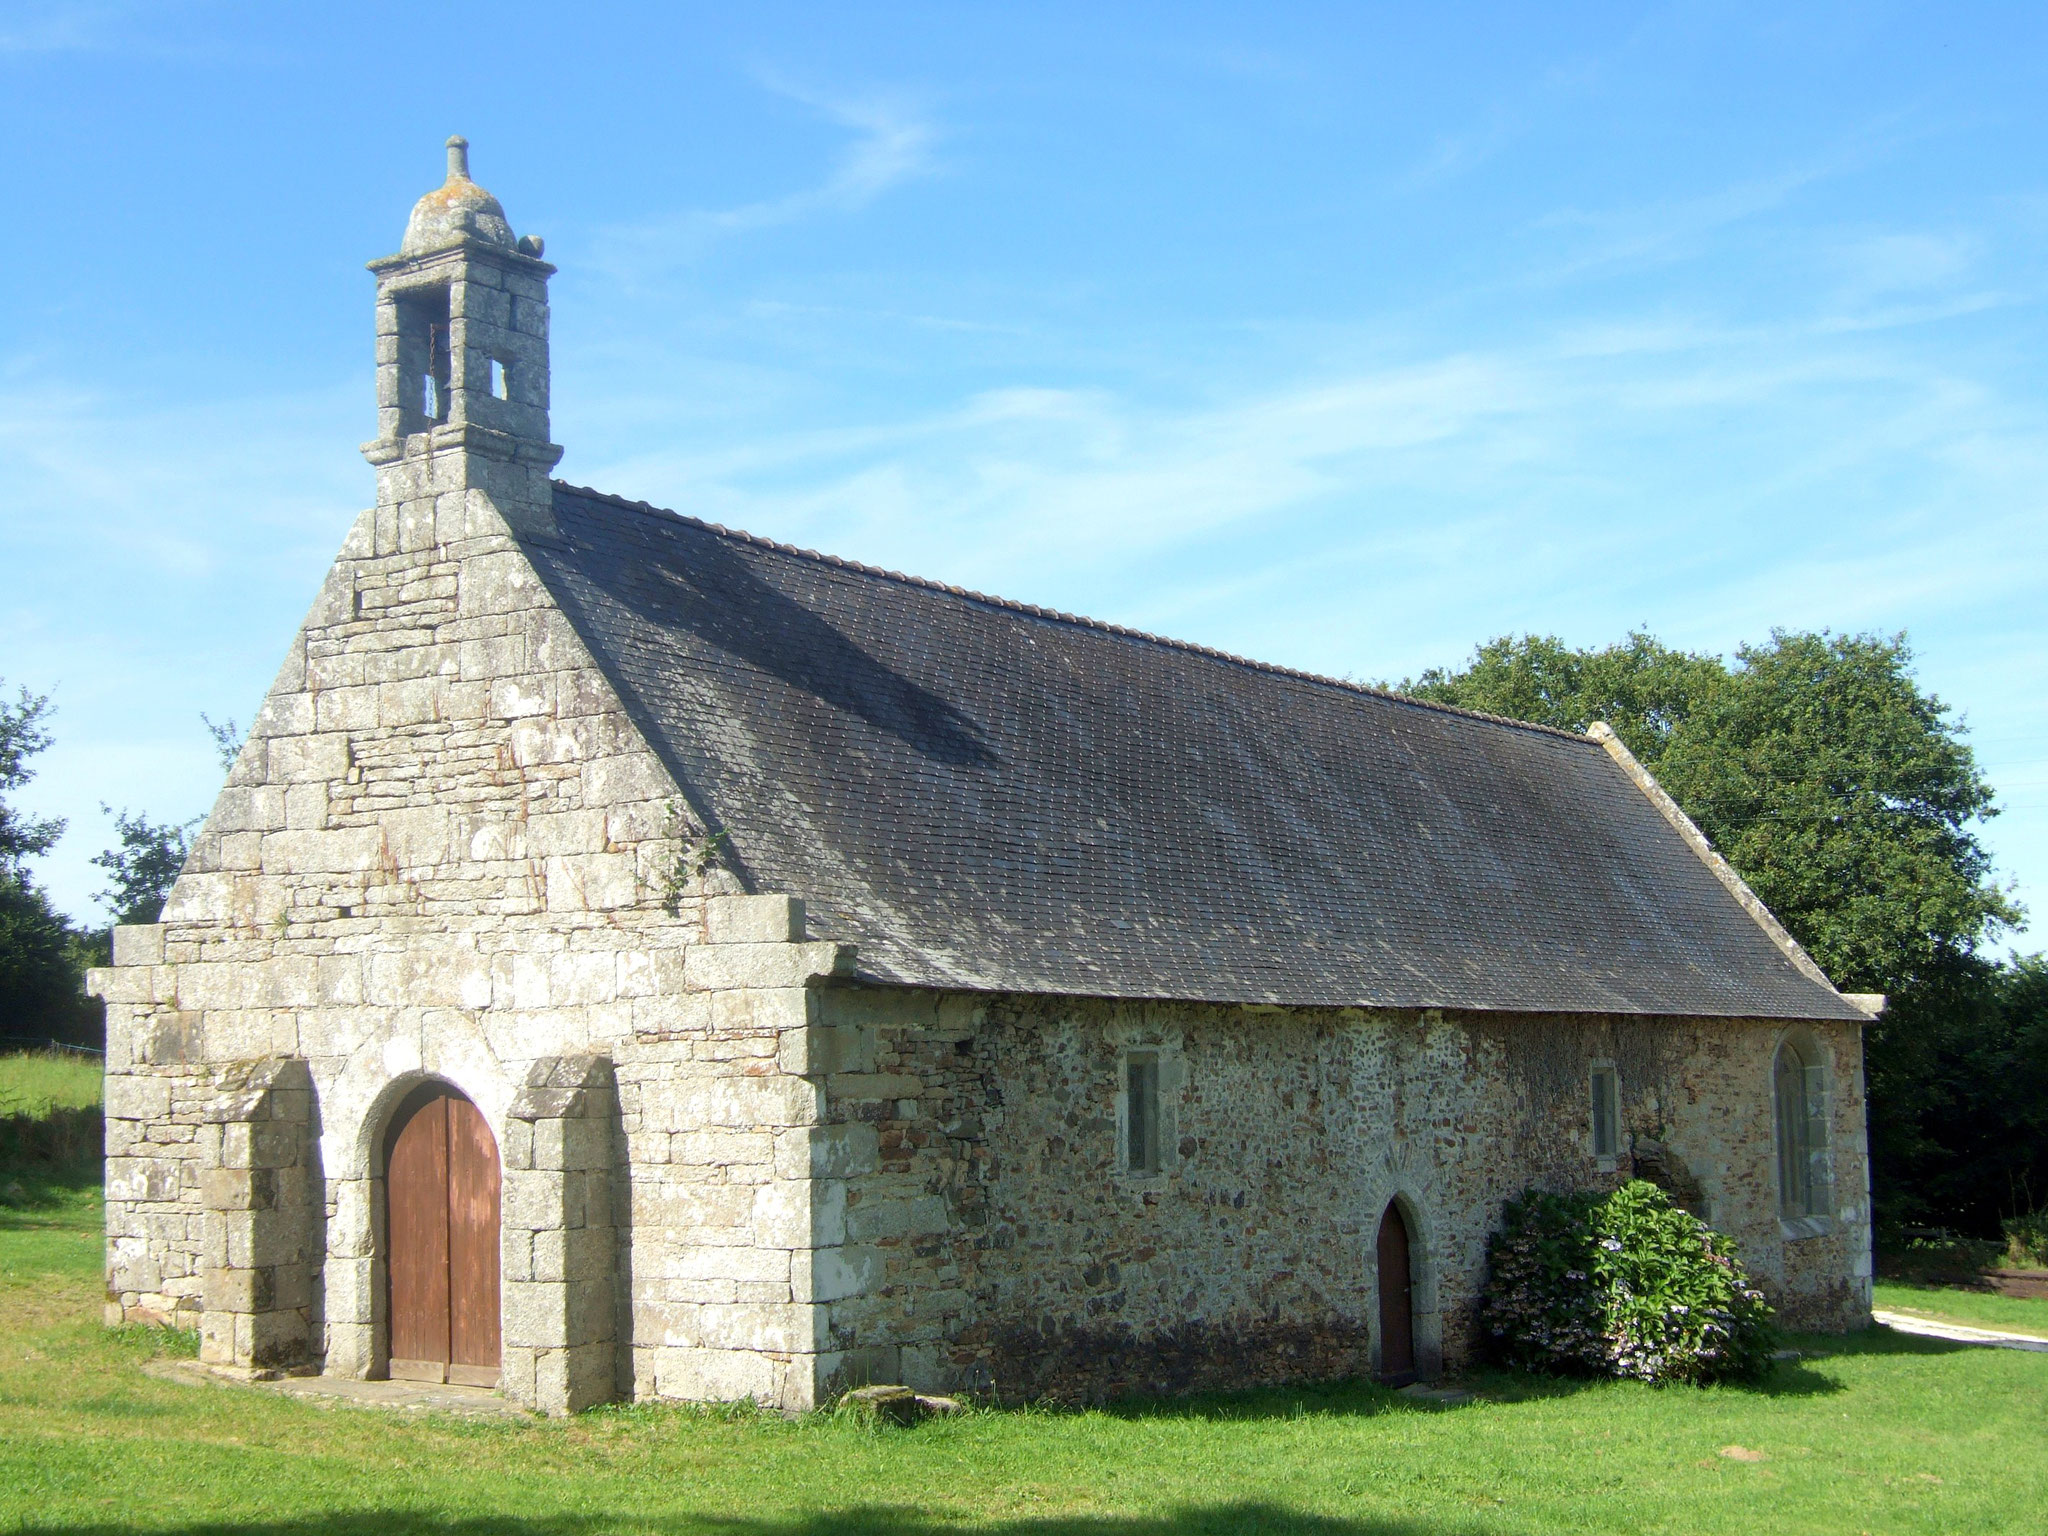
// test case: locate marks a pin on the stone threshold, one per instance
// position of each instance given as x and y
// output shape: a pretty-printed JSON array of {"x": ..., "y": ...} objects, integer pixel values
[{"x": 405, "y": 1396}]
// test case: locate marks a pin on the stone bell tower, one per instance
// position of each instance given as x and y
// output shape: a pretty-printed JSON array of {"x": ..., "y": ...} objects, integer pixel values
[{"x": 462, "y": 361}]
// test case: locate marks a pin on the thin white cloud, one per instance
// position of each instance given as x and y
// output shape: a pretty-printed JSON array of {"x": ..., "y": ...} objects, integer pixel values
[
  {"x": 1667, "y": 230},
  {"x": 1891, "y": 263},
  {"x": 162, "y": 29},
  {"x": 1453, "y": 154},
  {"x": 151, "y": 479},
  {"x": 891, "y": 143},
  {"x": 1664, "y": 231},
  {"x": 59, "y": 28}
]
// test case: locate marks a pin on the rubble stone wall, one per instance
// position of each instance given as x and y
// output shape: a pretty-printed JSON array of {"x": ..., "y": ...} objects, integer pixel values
[{"x": 992, "y": 1242}]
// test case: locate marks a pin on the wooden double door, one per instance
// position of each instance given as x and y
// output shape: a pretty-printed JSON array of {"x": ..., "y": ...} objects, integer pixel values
[{"x": 441, "y": 1224}]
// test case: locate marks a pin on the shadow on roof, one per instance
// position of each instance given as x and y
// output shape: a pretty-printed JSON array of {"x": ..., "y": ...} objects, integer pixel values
[{"x": 700, "y": 584}]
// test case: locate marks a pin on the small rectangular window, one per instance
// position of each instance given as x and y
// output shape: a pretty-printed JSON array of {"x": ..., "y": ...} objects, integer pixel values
[
  {"x": 1141, "y": 1112},
  {"x": 498, "y": 385},
  {"x": 1606, "y": 1112}
]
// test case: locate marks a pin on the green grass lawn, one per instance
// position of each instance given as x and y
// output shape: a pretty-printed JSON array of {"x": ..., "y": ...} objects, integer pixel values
[
  {"x": 35, "y": 1082},
  {"x": 1879, "y": 1433},
  {"x": 1974, "y": 1309}
]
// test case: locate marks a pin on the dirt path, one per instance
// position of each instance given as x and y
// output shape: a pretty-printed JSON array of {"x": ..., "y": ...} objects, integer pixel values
[{"x": 1961, "y": 1333}]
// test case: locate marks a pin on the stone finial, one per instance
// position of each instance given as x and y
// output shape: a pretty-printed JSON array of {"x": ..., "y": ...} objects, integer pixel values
[{"x": 456, "y": 211}]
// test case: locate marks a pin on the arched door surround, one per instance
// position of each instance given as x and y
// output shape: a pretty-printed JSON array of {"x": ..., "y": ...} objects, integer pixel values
[
  {"x": 441, "y": 1190},
  {"x": 1397, "y": 1299}
]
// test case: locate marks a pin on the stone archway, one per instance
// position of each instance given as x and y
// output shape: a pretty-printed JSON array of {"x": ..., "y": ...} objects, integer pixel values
[{"x": 441, "y": 1225}]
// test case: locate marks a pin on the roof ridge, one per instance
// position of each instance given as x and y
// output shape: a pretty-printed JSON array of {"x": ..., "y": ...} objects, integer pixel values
[{"x": 1080, "y": 620}]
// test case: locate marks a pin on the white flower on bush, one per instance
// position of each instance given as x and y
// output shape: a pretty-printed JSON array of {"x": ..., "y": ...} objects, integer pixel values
[{"x": 1621, "y": 1284}]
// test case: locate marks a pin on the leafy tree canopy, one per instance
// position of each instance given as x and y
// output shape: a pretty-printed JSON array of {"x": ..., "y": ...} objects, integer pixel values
[
  {"x": 227, "y": 740},
  {"x": 1640, "y": 686},
  {"x": 22, "y": 735},
  {"x": 1846, "y": 797},
  {"x": 40, "y": 965},
  {"x": 41, "y": 955},
  {"x": 144, "y": 867},
  {"x": 1843, "y": 794},
  {"x": 1958, "y": 1074}
]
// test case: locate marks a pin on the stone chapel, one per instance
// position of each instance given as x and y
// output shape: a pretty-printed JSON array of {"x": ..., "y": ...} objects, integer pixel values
[{"x": 631, "y": 958}]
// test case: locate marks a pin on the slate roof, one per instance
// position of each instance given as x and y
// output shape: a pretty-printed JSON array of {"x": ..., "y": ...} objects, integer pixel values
[{"x": 988, "y": 796}]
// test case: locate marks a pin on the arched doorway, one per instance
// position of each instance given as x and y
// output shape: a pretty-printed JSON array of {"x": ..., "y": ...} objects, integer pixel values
[
  {"x": 1397, "y": 1299},
  {"x": 441, "y": 1234}
]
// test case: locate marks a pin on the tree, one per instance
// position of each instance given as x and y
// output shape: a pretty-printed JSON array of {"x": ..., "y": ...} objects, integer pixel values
[
  {"x": 1843, "y": 794},
  {"x": 39, "y": 966},
  {"x": 1846, "y": 797},
  {"x": 22, "y": 736},
  {"x": 144, "y": 867},
  {"x": 43, "y": 957},
  {"x": 150, "y": 856},
  {"x": 227, "y": 740},
  {"x": 1958, "y": 1078},
  {"x": 1641, "y": 687},
  {"x": 40, "y": 954},
  {"x": 1848, "y": 800}
]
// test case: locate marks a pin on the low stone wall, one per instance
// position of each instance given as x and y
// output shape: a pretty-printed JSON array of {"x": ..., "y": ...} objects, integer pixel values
[
  {"x": 160, "y": 1138},
  {"x": 564, "y": 1177}
]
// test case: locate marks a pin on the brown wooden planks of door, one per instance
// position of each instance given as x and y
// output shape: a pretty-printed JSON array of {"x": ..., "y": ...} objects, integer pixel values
[
  {"x": 417, "y": 1184},
  {"x": 472, "y": 1246}
]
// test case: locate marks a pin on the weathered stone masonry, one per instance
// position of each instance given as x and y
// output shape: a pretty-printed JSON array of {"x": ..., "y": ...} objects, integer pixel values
[
  {"x": 444, "y": 853},
  {"x": 999, "y": 1249}
]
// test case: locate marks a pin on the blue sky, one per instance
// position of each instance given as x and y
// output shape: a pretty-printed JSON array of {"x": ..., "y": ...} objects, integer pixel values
[{"x": 1341, "y": 336}]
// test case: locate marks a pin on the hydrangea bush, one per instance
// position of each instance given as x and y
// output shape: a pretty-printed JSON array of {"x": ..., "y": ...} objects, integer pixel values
[{"x": 1621, "y": 1284}]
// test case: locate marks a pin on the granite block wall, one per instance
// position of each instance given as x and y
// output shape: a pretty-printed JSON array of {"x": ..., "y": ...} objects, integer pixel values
[{"x": 446, "y": 852}]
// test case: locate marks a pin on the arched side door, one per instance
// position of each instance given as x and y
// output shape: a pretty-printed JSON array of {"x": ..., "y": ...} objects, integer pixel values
[
  {"x": 1397, "y": 1299},
  {"x": 441, "y": 1224}
]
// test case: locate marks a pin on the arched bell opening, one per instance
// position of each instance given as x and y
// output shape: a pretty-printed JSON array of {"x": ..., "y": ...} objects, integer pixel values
[{"x": 441, "y": 1239}]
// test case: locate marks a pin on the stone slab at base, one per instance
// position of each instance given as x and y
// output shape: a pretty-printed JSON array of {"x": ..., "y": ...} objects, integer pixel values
[
  {"x": 410, "y": 1396},
  {"x": 900, "y": 1405},
  {"x": 1437, "y": 1397}
]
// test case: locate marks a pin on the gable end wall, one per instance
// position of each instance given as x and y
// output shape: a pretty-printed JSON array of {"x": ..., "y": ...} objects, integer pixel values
[{"x": 444, "y": 852}]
